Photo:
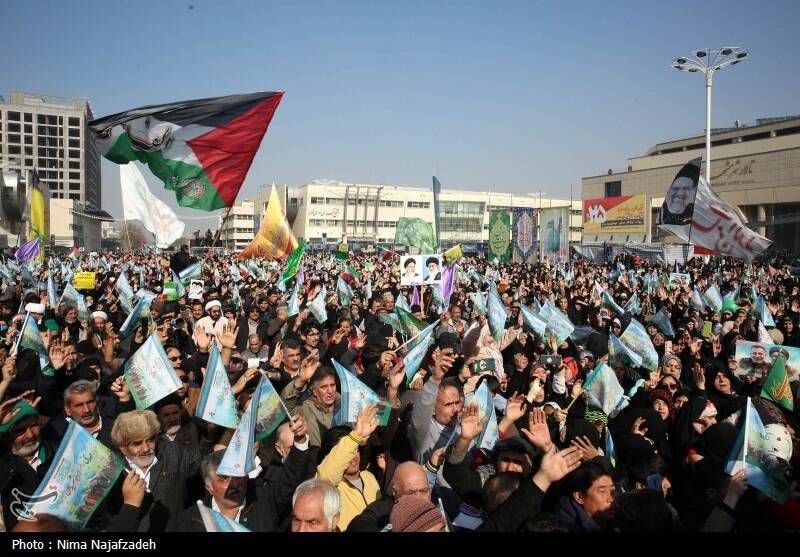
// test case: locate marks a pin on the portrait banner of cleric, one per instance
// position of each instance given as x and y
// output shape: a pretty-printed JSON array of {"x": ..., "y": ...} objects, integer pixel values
[{"x": 678, "y": 206}]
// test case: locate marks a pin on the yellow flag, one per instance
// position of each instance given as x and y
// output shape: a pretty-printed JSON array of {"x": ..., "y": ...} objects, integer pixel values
[
  {"x": 453, "y": 254},
  {"x": 274, "y": 239},
  {"x": 38, "y": 216}
]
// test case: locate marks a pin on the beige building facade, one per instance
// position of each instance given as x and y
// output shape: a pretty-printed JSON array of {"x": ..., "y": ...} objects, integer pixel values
[
  {"x": 756, "y": 167},
  {"x": 326, "y": 212}
]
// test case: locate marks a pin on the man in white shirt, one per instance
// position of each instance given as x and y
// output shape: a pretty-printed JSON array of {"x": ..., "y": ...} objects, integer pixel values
[{"x": 213, "y": 324}]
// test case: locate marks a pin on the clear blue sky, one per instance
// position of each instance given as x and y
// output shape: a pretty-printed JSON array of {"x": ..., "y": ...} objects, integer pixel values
[{"x": 508, "y": 96}]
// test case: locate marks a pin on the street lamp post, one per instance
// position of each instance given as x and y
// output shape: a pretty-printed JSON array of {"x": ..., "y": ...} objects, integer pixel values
[{"x": 709, "y": 61}]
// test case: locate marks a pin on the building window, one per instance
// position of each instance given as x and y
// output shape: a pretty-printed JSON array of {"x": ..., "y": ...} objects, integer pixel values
[
  {"x": 74, "y": 142},
  {"x": 74, "y": 121},
  {"x": 74, "y": 175},
  {"x": 13, "y": 138},
  {"x": 613, "y": 189},
  {"x": 13, "y": 116},
  {"x": 28, "y": 117},
  {"x": 74, "y": 196},
  {"x": 334, "y": 201},
  {"x": 74, "y": 164},
  {"x": 74, "y": 154},
  {"x": 74, "y": 132},
  {"x": 390, "y": 203},
  {"x": 318, "y": 201},
  {"x": 419, "y": 205},
  {"x": 13, "y": 127}
]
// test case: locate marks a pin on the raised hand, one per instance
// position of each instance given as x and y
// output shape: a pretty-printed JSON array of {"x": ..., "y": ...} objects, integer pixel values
[
  {"x": 244, "y": 379},
  {"x": 56, "y": 355},
  {"x": 538, "y": 433},
  {"x": 471, "y": 425},
  {"x": 577, "y": 388},
  {"x": 699, "y": 376},
  {"x": 299, "y": 428},
  {"x": 308, "y": 367},
  {"x": 120, "y": 389},
  {"x": 441, "y": 364},
  {"x": 133, "y": 490},
  {"x": 555, "y": 466},
  {"x": 9, "y": 370},
  {"x": 228, "y": 337},
  {"x": 515, "y": 408},
  {"x": 366, "y": 421},
  {"x": 397, "y": 375},
  {"x": 638, "y": 427},
  {"x": 201, "y": 340},
  {"x": 584, "y": 445}
]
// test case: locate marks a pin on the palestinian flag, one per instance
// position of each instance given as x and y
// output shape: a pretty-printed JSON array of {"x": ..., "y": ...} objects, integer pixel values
[
  {"x": 387, "y": 254},
  {"x": 201, "y": 149},
  {"x": 350, "y": 274}
]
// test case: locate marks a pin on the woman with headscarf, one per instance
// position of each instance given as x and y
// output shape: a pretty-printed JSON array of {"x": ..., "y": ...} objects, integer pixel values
[{"x": 721, "y": 388}]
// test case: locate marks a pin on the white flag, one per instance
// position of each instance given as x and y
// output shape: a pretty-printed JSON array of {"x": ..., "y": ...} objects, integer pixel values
[
  {"x": 694, "y": 213},
  {"x": 139, "y": 203}
]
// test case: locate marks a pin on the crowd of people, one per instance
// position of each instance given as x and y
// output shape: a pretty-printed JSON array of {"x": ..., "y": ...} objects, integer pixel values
[{"x": 559, "y": 464}]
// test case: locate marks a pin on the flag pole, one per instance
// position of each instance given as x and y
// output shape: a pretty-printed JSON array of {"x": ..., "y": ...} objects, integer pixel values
[
  {"x": 219, "y": 231},
  {"x": 21, "y": 332},
  {"x": 128, "y": 235}
]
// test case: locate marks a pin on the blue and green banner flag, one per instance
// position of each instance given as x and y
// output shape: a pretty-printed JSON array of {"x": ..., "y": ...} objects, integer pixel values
[
  {"x": 497, "y": 314},
  {"x": 140, "y": 311},
  {"x": 238, "y": 460},
  {"x": 619, "y": 354},
  {"x": 713, "y": 298},
  {"x": 80, "y": 477},
  {"x": 271, "y": 411},
  {"x": 533, "y": 321},
  {"x": 355, "y": 396},
  {"x": 217, "y": 405},
  {"x": 662, "y": 322},
  {"x": 190, "y": 273},
  {"x": 417, "y": 350},
  {"x": 634, "y": 306},
  {"x": 558, "y": 324},
  {"x": 763, "y": 451},
  {"x": 482, "y": 398},
  {"x": 604, "y": 390},
  {"x": 30, "y": 338},
  {"x": 317, "y": 306},
  {"x": 149, "y": 374},
  {"x": 74, "y": 299},
  {"x": 214, "y": 521},
  {"x": 776, "y": 386},
  {"x": 608, "y": 302},
  {"x": 635, "y": 337},
  {"x": 500, "y": 236}
]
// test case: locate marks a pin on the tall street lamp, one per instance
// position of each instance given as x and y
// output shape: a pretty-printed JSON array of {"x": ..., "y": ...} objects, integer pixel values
[{"x": 709, "y": 61}]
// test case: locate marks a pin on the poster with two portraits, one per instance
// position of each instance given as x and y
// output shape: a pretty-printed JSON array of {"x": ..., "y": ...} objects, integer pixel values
[{"x": 421, "y": 269}]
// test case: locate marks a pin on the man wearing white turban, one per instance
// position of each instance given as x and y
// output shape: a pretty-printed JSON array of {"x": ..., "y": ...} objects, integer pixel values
[{"x": 213, "y": 323}]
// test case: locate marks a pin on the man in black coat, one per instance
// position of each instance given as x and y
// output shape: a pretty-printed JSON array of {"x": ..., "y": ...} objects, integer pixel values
[
  {"x": 181, "y": 259},
  {"x": 81, "y": 403},
  {"x": 167, "y": 469},
  {"x": 249, "y": 325},
  {"x": 258, "y": 504}
]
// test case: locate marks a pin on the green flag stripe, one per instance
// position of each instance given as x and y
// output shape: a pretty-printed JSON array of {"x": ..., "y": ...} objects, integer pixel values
[{"x": 192, "y": 186}]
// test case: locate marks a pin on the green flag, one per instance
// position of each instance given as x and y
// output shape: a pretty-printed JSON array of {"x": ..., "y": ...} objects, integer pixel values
[
  {"x": 500, "y": 236},
  {"x": 342, "y": 251},
  {"x": 776, "y": 385},
  {"x": 293, "y": 262},
  {"x": 411, "y": 324},
  {"x": 417, "y": 233}
]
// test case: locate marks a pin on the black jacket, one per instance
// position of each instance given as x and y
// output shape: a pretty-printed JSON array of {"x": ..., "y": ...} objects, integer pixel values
[
  {"x": 166, "y": 496},
  {"x": 268, "y": 499},
  {"x": 244, "y": 333},
  {"x": 16, "y": 473},
  {"x": 56, "y": 428},
  {"x": 374, "y": 518}
]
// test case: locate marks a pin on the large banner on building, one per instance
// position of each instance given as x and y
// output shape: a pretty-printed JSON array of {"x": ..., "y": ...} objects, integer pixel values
[
  {"x": 554, "y": 234},
  {"x": 610, "y": 216},
  {"x": 500, "y": 236},
  {"x": 525, "y": 233}
]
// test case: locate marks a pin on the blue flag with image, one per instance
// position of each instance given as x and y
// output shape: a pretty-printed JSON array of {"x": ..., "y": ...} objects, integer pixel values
[
  {"x": 533, "y": 321},
  {"x": 604, "y": 390},
  {"x": 479, "y": 303},
  {"x": 74, "y": 299},
  {"x": 635, "y": 337},
  {"x": 52, "y": 294},
  {"x": 271, "y": 412},
  {"x": 662, "y": 321},
  {"x": 317, "y": 306},
  {"x": 557, "y": 323},
  {"x": 294, "y": 306},
  {"x": 190, "y": 273},
  {"x": 140, "y": 311},
  {"x": 400, "y": 302},
  {"x": 217, "y": 405},
  {"x": 732, "y": 295},
  {"x": 497, "y": 314},
  {"x": 355, "y": 396},
  {"x": 417, "y": 348},
  {"x": 634, "y": 306},
  {"x": 178, "y": 285},
  {"x": 697, "y": 301},
  {"x": 763, "y": 313},
  {"x": 713, "y": 298},
  {"x": 149, "y": 374},
  {"x": 609, "y": 303},
  {"x": 482, "y": 398},
  {"x": 239, "y": 459},
  {"x": 619, "y": 354}
]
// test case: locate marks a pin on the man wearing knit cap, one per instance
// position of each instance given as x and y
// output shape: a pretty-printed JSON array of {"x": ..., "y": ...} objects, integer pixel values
[
  {"x": 412, "y": 514},
  {"x": 213, "y": 324}
]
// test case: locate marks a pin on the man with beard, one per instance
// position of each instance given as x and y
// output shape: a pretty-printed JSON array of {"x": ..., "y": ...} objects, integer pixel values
[
  {"x": 24, "y": 457},
  {"x": 166, "y": 469},
  {"x": 212, "y": 324},
  {"x": 259, "y": 504}
]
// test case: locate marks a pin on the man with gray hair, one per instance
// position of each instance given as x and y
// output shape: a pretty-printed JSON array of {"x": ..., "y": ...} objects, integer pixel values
[
  {"x": 259, "y": 504},
  {"x": 316, "y": 505},
  {"x": 82, "y": 405}
]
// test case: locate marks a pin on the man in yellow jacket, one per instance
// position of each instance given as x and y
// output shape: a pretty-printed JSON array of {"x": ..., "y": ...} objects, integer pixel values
[{"x": 341, "y": 465}]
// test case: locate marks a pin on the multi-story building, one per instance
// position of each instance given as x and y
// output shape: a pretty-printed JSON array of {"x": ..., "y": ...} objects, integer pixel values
[
  {"x": 49, "y": 134},
  {"x": 756, "y": 167},
  {"x": 238, "y": 229},
  {"x": 73, "y": 224},
  {"x": 325, "y": 212}
]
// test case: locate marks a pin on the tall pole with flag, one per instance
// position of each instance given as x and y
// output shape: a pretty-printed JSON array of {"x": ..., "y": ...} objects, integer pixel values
[{"x": 437, "y": 188}]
